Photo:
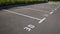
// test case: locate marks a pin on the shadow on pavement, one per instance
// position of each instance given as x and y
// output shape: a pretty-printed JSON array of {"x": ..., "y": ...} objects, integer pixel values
[{"x": 16, "y": 5}]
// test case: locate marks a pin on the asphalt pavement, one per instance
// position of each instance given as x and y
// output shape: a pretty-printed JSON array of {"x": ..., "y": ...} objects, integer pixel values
[{"x": 41, "y": 18}]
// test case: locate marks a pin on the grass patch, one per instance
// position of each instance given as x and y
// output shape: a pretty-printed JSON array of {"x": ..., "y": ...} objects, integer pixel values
[{"x": 12, "y": 2}]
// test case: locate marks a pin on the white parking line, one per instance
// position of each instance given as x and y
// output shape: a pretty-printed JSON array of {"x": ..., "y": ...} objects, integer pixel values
[
  {"x": 54, "y": 10},
  {"x": 34, "y": 9},
  {"x": 51, "y": 12},
  {"x": 42, "y": 20},
  {"x": 22, "y": 14},
  {"x": 46, "y": 15}
]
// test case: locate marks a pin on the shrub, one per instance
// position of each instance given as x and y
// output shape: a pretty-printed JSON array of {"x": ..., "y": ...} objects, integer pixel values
[{"x": 9, "y": 2}]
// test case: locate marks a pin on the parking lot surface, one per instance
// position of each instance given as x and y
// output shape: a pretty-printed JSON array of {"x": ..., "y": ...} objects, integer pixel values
[{"x": 31, "y": 19}]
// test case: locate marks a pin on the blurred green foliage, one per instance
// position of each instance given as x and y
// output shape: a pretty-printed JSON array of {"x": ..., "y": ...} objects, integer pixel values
[
  {"x": 9, "y": 2},
  {"x": 54, "y": 0}
]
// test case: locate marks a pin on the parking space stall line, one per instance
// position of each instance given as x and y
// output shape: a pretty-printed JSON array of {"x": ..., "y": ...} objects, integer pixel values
[{"x": 22, "y": 14}]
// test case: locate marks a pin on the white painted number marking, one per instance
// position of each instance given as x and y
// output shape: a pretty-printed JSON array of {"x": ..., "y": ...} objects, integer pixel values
[{"x": 29, "y": 27}]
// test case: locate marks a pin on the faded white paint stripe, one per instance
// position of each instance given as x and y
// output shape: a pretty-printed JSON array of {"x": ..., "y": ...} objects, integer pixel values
[
  {"x": 42, "y": 20},
  {"x": 22, "y": 14},
  {"x": 34, "y": 9},
  {"x": 54, "y": 10},
  {"x": 51, "y": 12}
]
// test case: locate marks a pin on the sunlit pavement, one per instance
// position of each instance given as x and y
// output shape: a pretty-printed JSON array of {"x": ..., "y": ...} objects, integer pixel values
[{"x": 31, "y": 19}]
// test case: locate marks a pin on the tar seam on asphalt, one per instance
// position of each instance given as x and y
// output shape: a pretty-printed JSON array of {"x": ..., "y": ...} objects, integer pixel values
[{"x": 22, "y": 14}]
